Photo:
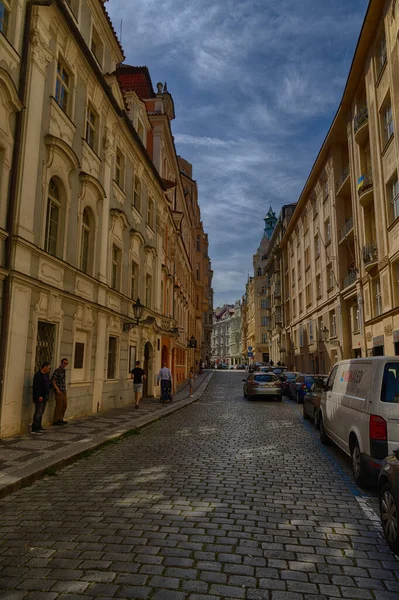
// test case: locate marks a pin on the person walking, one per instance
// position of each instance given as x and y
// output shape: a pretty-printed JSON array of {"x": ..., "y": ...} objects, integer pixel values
[
  {"x": 165, "y": 377},
  {"x": 58, "y": 381},
  {"x": 138, "y": 374},
  {"x": 40, "y": 391},
  {"x": 191, "y": 381}
]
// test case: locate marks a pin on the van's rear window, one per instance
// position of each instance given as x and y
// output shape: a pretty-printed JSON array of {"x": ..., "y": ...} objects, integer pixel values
[{"x": 390, "y": 383}]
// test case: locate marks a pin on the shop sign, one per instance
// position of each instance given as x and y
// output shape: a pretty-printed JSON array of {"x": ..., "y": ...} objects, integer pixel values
[
  {"x": 395, "y": 335},
  {"x": 378, "y": 341}
]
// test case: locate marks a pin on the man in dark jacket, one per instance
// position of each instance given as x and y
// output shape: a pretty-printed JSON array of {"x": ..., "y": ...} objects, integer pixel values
[{"x": 41, "y": 387}]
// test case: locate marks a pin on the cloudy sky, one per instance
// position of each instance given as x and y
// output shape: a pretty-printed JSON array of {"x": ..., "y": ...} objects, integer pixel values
[{"x": 255, "y": 84}]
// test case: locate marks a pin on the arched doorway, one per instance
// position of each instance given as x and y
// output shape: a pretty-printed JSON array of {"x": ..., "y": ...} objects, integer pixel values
[
  {"x": 165, "y": 356},
  {"x": 148, "y": 387}
]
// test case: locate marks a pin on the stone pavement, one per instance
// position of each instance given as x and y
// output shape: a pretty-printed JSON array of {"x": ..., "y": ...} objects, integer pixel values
[
  {"x": 25, "y": 458},
  {"x": 225, "y": 499}
]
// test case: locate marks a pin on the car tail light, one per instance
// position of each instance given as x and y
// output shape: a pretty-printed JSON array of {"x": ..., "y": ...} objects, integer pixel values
[
  {"x": 277, "y": 384},
  {"x": 378, "y": 428},
  {"x": 305, "y": 387},
  {"x": 255, "y": 384}
]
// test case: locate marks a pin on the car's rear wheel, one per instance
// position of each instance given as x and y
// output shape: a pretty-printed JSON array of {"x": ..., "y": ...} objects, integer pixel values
[
  {"x": 323, "y": 436},
  {"x": 358, "y": 468},
  {"x": 389, "y": 511}
]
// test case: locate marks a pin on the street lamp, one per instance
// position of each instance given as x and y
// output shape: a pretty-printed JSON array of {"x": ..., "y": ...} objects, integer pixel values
[{"x": 138, "y": 310}]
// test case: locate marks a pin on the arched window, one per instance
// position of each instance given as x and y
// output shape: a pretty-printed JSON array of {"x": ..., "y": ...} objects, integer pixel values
[
  {"x": 52, "y": 241},
  {"x": 259, "y": 271},
  {"x": 86, "y": 241}
]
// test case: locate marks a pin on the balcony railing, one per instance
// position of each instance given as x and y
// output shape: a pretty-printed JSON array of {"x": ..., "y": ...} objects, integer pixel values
[
  {"x": 345, "y": 229},
  {"x": 344, "y": 175},
  {"x": 361, "y": 118},
  {"x": 370, "y": 253},
  {"x": 364, "y": 183},
  {"x": 350, "y": 278}
]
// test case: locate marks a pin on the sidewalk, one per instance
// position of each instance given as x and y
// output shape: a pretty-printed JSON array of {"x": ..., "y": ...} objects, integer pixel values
[{"x": 26, "y": 458}]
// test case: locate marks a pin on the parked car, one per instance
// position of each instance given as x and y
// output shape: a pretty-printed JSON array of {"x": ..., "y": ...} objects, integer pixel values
[
  {"x": 279, "y": 370},
  {"x": 388, "y": 488},
  {"x": 312, "y": 399},
  {"x": 222, "y": 366},
  {"x": 301, "y": 385},
  {"x": 262, "y": 384},
  {"x": 360, "y": 412},
  {"x": 286, "y": 378},
  {"x": 240, "y": 367}
]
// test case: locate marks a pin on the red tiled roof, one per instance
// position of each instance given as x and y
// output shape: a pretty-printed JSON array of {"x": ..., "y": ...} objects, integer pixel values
[
  {"x": 102, "y": 4},
  {"x": 135, "y": 79}
]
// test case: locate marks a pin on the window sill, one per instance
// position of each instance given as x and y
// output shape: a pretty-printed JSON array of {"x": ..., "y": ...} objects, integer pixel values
[
  {"x": 91, "y": 149},
  {"x": 330, "y": 289},
  {"x": 112, "y": 381},
  {"x": 79, "y": 383},
  {"x": 62, "y": 111}
]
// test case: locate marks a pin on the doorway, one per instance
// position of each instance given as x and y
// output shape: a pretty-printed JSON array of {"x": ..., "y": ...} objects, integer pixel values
[
  {"x": 148, "y": 366},
  {"x": 165, "y": 356}
]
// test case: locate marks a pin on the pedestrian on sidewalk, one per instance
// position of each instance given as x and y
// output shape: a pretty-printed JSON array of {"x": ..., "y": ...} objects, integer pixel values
[
  {"x": 191, "y": 377},
  {"x": 58, "y": 381},
  {"x": 138, "y": 374},
  {"x": 165, "y": 377},
  {"x": 41, "y": 389}
]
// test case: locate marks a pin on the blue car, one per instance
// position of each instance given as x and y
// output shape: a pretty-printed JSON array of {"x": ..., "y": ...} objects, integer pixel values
[{"x": 298, "y": 388}]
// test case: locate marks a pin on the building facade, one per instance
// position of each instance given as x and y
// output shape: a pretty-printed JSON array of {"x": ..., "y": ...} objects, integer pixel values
[
  {"x": 221, "y": 330},
  {"x": 341, "y": 249},
  {"x": 236, "y": 335},
  {"x": 248, "y": 322},
  {"x": 96, "y": 211}
]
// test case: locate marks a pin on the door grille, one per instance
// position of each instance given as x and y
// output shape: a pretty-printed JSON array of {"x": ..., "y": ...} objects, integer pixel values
[{"x": 45, "y": 344}]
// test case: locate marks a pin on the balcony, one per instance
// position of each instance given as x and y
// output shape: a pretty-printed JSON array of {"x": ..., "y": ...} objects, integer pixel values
[
  {"x": 370, "y": 255},
  {"x": 361, "y": 125},
  {"x": 343, "y": 184},
  {"x": 365, "y": 189},
  {"x": 349, "y": 279},
  {"x": 346, "y": 229}
]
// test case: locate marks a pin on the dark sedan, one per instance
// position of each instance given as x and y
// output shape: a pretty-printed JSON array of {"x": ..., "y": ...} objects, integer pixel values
[
  {"x": 299, "y": 387},
  {"x": 312, "y": 400},
  {"x": 388, "y": 487}
]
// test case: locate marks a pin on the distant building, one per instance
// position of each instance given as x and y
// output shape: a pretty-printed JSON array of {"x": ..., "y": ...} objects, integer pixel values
[
  {"x": 236, "y": 335},
  {"x": 222, "y": 318}
]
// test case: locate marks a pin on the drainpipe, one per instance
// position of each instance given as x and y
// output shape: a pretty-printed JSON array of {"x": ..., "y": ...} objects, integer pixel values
[{"x": 11, "y": 216}]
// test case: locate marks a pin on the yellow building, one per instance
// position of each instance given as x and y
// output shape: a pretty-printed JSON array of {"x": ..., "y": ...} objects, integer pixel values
[
  {"x": 94, "y": 214},
  {"x": 341, "y": 248}
]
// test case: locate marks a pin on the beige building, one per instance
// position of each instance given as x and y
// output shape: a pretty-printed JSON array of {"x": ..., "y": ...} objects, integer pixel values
[
  {"x": 248, "y": 322},
  {"x": 96, "y": 211},
  {"x": 341, "y": 248}
]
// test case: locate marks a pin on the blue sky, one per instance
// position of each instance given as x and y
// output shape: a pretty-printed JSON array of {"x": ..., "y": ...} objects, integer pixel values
[{"x": 255, "y": 84}]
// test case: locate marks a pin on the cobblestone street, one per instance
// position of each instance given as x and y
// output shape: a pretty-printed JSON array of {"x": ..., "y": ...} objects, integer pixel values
[{"x": 224, "y": 499}]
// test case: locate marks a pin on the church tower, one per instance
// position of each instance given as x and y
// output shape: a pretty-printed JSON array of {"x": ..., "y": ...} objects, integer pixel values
[{"x": 270, "y": 222}]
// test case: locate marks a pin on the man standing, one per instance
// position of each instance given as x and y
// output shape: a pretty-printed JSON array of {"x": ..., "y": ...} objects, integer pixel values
[
  {"x": 165, "y": 377},
  {"x": 58, "y": 380},
  {"x": 138, "y": 374},
  {"x": 41, "y": 387}
]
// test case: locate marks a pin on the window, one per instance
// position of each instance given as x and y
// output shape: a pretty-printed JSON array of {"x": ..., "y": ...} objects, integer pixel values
[
  {"x": 74, "y": 6},
  {"x": 316, "y": 246},
  {"x": 294, "y": 307},
  {"x": 115, "y": 267},
  {"x": 132, "y": 358},
  {"x": 333, "y": 324},
  {"x": 198, "y": 243},
  {"x": 97, "y": 46},
  {"x": 331, "y": 379},
  {"x": 45, "y": 344},
  {"x": 120, "y": 169},
  {"x": 394, "y": 197},
  {"x": 78, "y": 360},
  {"x": 148, "y": 290},
  {"x": 309, "y": 294},
  {"x": 356, "y": 317},
  {"x": 326, "y": 190},
  {"x": 307, "y": 258},
  {"x": 53, "y": 216},
  {"x": 299, "y": 269},
  {"x": 137, "y": 194},
  {"x": 264, "y": 338},
  {"x": 197, "y": 271},
  {"x": 91, "y": 127},
  {"x": 62, "y": 86},
  {"x": 327, "y": 230},
  {"x": 263, "y": 304},
  {"x": 390, "y": 383},
  {"x": 318, "y": 286},
  {"x": 377, "y": 297},
  {"x": 320, "y": 328},
  {"x": 150, "y": 213},
  {"x": 387, "y": 122},
  {"x": 112, "y": 355},
  {"x": 396, "y": 280},
  {"x": 80, "y": 356},
  {"x": 300, "y": 303},
  {"x": 4, "y": 18},
  {"x": 264, "y": 321},
  {"x": 330, "y": 277},
  {"x": 86, "y": 234},
  {"x": 133, "y": 281},
  {"x": 382, "y": 53}
]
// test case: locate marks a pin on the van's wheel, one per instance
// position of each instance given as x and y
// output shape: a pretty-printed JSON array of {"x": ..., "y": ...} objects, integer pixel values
[
  {"x": 323, "y": 436},
  {"x": 305, "y": 414},
  {"x": 358, "y": 468},
  {"x": 315, "y": 419}
]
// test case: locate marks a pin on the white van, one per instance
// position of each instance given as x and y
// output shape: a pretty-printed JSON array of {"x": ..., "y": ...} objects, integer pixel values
[{"x": 359, "y": 411}]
